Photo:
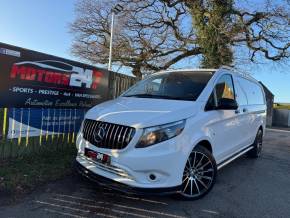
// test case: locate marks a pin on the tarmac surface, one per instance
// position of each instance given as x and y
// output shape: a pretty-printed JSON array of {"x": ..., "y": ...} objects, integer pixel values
[{"x": 244, "y": 188}]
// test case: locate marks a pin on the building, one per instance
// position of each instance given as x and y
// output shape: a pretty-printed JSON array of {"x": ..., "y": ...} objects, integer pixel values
[{"x": 270, "y": 103}]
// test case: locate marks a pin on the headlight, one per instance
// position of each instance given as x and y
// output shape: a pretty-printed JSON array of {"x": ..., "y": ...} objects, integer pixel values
[{"x": 154, "y": 135}]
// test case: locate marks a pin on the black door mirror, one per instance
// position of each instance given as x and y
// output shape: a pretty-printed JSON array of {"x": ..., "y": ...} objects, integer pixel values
[{"x": 227, "y": 104}]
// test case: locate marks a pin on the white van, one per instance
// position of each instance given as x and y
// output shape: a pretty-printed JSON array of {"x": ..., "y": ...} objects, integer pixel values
[{"x": 171, "y": 132}]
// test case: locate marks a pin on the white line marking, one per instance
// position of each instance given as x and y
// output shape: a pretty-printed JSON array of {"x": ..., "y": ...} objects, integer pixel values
[
  {"x": 278, "y": 130},
  {"x": 101, "y": 207},
  {"x": 71, "y": 208},
  {"x": 210, "y": 211},
  {"x": 116, "y": 205},
  {"x": 63, "y": 213}
]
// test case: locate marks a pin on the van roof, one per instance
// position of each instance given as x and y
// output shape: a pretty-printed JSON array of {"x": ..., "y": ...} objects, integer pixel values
[
  {"x": 189, "y": 69},
  {"x": 240, "y": 73},
  {"x": 212, "y": 70},
  {"x": 207, "y": 71}
]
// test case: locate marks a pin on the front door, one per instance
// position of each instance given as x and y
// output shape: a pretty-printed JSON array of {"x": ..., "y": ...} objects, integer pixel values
[{"x": 224, "y": 125}]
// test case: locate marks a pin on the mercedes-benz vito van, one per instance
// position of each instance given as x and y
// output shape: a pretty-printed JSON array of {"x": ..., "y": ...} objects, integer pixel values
[{"x": 172, "y": 131}]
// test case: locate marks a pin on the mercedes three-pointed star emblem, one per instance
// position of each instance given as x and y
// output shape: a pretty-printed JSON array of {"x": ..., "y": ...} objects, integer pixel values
[{"x": 99, "y": 134}]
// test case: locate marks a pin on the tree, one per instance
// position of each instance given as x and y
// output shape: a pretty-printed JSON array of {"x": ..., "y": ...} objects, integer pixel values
[
  {"x": 212, "y": 21},
  {"x": 156, "y": 34}
]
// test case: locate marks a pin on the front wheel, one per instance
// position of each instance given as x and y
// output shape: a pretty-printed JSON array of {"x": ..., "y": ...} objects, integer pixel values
[{"x": 199, "y": 174}]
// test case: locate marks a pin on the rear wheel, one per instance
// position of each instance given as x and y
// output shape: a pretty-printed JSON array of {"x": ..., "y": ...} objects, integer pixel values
[
  {"x": 199, "y": 174},
  {"x": 258, "y": 144}
]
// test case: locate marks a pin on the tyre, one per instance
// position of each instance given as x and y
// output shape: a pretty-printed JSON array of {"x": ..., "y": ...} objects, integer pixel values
[
  {"x": 258, "y": 144},
  {"x": 199, "y": 174}
]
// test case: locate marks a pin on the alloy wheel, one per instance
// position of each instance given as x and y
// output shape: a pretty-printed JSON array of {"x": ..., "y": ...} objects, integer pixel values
[{"x": 198, "y": 175}]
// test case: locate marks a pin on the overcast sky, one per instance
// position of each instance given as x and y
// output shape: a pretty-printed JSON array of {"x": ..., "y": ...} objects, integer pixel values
[{"x": 43, "y": 26}]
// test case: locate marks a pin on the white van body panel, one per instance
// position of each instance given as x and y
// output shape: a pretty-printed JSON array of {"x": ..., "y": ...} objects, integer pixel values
[
  {"x": 142, "y": 112},
  {"x": 227, "y": 131}
]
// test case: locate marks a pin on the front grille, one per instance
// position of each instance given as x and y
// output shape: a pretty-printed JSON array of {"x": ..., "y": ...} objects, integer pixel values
[{"x": 107, "y": 135}]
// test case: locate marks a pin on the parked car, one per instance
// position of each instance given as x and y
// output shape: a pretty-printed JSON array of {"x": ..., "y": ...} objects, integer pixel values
[{"x": 171, "y": 132}]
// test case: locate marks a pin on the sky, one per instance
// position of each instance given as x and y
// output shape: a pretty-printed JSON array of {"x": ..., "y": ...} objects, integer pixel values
[{"x": 44, "y": 26}]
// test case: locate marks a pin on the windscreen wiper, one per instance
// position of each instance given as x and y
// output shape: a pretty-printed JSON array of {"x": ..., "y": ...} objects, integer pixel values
[
  {"x": 141, "y": 95},
  {"x": 159, "y": 96}
]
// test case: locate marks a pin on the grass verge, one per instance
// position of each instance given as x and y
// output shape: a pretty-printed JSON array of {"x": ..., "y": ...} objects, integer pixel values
[
  {"x": 20, "y": 176},
  {"x": 282, "y": 106}
]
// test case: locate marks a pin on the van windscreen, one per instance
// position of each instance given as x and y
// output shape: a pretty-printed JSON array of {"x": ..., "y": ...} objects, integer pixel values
[{"x": 173, "y": 85}]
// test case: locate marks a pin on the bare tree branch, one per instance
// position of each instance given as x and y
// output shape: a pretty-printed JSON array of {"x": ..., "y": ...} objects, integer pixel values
[{"x": 156, "y": 34}]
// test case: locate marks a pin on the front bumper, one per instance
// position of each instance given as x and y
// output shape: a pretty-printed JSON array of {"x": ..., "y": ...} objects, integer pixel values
[
  {"x": 134, "y": 167},
  {"x": 105, "y": 182}
]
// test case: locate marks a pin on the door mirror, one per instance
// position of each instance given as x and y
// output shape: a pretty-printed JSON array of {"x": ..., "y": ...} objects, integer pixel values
[{"x": 227, "y": 104}]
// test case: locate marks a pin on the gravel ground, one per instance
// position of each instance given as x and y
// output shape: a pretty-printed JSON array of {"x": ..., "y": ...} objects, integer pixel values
[{"x": 244, "y": 188}]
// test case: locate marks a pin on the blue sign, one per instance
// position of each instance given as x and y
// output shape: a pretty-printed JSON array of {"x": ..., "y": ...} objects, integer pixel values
[{"x": 25, "y": 122}]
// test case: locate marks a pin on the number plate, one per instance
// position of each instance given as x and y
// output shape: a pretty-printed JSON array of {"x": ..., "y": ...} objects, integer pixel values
[{"x": 97, "y": 156}]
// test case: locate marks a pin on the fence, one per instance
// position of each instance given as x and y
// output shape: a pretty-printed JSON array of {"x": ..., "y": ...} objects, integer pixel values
[
  {"x": 281, "y": 117},
  {"x": 57, "y": 141},
  {"x": 121, "y": 83}
]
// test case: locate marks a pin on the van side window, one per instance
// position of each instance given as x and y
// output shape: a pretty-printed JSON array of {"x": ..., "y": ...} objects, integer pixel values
[
  {"x": 241, "y": 95},
  {"x": 253, "y": 91},
  {"x": 223, "y": 89}
]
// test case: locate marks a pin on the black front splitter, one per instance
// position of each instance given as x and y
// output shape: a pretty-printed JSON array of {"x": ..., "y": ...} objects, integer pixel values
[{"x": 108, "y": 183}]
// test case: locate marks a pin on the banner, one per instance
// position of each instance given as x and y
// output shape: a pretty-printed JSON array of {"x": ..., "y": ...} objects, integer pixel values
[
  {"x": 27, "y": 122},
  {"x": 33, "y": 79}
]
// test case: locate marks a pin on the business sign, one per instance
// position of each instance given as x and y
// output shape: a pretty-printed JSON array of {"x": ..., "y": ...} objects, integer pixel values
[
  {"x": 27, "y": 122},
  {"x": 33, "y": 79}
]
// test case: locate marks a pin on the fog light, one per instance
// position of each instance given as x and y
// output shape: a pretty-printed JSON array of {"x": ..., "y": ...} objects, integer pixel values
[{"x": 152, "y": 177}]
